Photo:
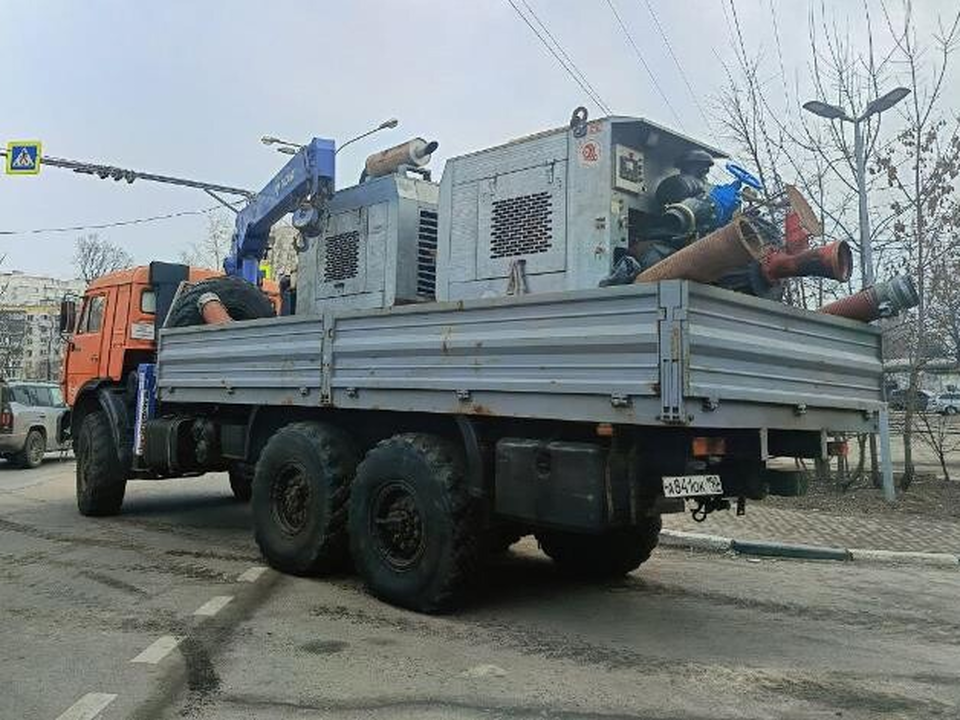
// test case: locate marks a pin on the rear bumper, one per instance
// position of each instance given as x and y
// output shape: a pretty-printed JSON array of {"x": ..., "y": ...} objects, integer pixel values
[{"x": 11, "y": 443}]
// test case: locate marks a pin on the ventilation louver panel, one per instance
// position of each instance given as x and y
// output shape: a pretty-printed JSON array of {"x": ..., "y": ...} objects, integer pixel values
[
  {"x": 521, "y": 225},
  {"x": 427, "y": 254},
  {"x": 341, "y": 256}
]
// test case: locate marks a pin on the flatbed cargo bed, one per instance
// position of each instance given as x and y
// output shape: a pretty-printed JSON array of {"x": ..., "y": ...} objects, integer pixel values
[{"x": 667, "y": 353}]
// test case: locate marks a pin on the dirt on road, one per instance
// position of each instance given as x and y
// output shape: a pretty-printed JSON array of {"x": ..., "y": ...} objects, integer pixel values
[{"x": 166, "y": 612}]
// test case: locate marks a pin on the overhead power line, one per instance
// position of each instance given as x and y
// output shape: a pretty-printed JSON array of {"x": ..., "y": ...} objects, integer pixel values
[
  {"x": 556, "y": 49},
  {"x": 117, "y": 223},
  {"x": 572, "y": 64},
  {"x": 676, "y": 61},
  {"x": 643, "y": 62}
]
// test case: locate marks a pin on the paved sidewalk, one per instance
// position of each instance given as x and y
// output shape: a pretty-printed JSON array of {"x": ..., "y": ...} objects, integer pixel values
[{"x": 909, "y": 533}]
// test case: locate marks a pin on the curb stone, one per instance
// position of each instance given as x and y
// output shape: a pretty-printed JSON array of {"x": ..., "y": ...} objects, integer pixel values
[
  {"x": 905, "y": 558},
  {"x": 718, "y": 543}
]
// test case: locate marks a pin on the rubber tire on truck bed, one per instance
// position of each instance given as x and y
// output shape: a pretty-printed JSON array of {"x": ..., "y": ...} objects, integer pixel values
[
  {"x": 608, "y": 555},
  {"x": 423, "y": 478},
  {"x": 300, "y": 492},
  {"x": 100, "y": 478},
  {"x": 243, "y": 300}
]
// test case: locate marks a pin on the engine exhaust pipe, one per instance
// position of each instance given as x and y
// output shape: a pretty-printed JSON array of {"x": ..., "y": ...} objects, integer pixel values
[
  {"x": 884, "y": 299},
  {"x": 712, "y": 256},
  {"x": 415, "y": 153},
  {"x": 834, "y": 261}
]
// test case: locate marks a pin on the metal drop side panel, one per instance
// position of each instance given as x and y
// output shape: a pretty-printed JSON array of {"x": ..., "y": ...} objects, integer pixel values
[
  {"x": 741, "y": 348},
  {"x": 512, "y": 356},
  {"x": 275, "y": 361},
  {"x": 649, "y": 354}
]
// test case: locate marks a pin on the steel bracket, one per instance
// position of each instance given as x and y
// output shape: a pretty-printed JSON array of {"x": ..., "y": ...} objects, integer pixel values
[{"x": 673, "y": 350}]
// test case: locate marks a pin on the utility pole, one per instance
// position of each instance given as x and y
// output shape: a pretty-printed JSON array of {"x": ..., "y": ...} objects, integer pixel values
[
  {"x": 833, "y": 112},
  {"x": 866, "y": 244}
]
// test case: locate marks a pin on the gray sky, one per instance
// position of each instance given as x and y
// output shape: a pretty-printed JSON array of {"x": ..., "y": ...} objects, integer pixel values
[{"x": 187, "y": 88}]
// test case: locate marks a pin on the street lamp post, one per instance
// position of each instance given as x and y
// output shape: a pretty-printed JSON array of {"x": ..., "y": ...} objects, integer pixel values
[
  {"x": 832, "y": 112},
  {"x": 874, "y": 107}
]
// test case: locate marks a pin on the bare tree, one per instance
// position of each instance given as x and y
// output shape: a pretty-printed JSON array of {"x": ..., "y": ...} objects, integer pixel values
[
  {"x": 95, "y": 257},
  {"x": 282, "y": 255},
  {"x": 13, "y": 329},
  {"x": 941, "y": 436},
  {"x": 921, "y": 166},
  {"x": 214, "y": 248},
  {"x": 944, "y": 304}
]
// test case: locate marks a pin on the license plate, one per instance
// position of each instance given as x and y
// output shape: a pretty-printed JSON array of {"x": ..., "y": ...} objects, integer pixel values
[{"x": 680, "y": 486}]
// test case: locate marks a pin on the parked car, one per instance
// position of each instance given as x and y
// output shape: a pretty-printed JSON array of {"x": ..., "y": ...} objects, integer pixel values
[
  {"x": 947, "y": 403},
  {"x": 898, "y": 400},
  {"x": 31, "y": 421}
]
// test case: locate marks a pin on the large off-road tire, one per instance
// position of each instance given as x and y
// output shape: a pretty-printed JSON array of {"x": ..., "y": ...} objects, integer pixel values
[
  {"x": 100, "y": 476},
  {"x": 243, "y": 300},
  {"x": 33, "y": 449},
  {"x": 241, "y": 481},
  {"x": 608, "y": 555},
  {"x": 415, "y": 535},
  {"x": 300, "y": 492}
]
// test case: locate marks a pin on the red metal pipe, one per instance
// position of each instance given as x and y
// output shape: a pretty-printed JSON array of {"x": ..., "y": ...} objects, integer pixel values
[
  {"x": 862, "y": 306},
  {"x": 795, "y": 237},
  {"x": 884, "y": 299},
  {"x": 834, "y": 261},
  {"x": 212, "y": 309}
]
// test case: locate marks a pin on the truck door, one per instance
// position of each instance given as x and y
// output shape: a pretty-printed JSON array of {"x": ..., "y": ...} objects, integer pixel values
[{"x": 88, "y": 344}]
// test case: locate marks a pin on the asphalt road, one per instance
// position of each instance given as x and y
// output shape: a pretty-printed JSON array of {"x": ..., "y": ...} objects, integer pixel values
[{"x": 98, "y": 619}]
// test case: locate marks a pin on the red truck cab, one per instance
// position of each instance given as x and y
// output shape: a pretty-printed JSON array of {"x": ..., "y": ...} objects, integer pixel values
[{"x": 114, "y": 330}]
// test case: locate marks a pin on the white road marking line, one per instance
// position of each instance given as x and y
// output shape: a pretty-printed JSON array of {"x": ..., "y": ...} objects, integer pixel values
[
  {"x": 158, "y": 650},
  {"x": 88, "y": 707},
  {"x": 252, "y": 575},
  {"x": 212, "y": 606}
]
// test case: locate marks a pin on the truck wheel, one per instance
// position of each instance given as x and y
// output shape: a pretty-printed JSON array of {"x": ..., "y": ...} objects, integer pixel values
[
  {"x": 415, "y": 535},
  {"x": 609, "y": 555},
  {"x": 100, "y": 480},
  {"x": 33, "y": 448},
  {"x": 241, "y": 481},
  {"x": 243, "y": 300},
  {"x": 300, "y": 493}
]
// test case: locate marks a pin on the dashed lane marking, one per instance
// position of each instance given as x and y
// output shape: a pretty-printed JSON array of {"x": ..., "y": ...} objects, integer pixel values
[
  {"x": 212, "y": 606},
  {"x": 88, "y": 707},
  {"x": 158, "y": 650},
  {"x": 252, "y": 574}
]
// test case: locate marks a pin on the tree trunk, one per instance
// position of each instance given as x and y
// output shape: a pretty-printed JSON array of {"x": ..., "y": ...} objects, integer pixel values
[{"x": 909, "y": 401}]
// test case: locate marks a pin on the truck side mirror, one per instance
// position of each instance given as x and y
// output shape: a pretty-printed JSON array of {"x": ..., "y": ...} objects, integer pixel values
[{"x": 68, "y": 315}]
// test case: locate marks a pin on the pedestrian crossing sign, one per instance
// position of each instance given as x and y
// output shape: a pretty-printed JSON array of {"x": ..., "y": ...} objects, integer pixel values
[{"x": 23, "y": 157}]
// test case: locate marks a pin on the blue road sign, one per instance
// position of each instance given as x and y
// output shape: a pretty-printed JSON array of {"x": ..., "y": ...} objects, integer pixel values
[{"x": 23, "y": 157}]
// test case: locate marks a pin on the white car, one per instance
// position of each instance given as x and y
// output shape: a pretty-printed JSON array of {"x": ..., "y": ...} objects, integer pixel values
[
  {"x": 31, "y": 421},
  {"x": 947, "y": 403}
]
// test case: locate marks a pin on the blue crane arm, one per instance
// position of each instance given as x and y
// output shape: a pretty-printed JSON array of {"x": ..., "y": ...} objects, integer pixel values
[{"x": 303, "y": 187}]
